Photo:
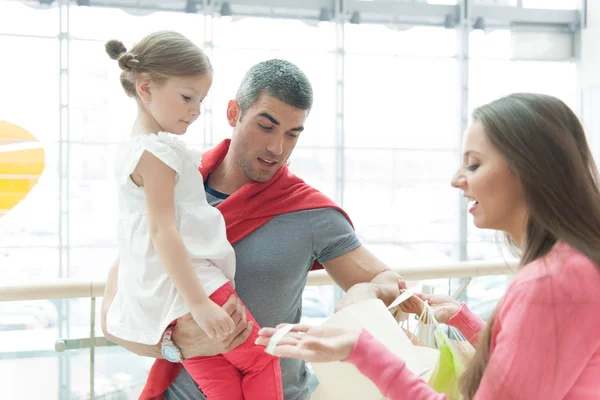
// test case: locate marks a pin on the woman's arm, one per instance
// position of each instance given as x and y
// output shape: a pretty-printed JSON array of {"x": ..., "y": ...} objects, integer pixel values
[
  {"x": 388, "y": 372},
  {"x": 468, "y": 323}
]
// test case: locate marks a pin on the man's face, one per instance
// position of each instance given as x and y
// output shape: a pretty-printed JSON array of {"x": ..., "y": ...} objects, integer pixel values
[{"x": 264, "y": 136}]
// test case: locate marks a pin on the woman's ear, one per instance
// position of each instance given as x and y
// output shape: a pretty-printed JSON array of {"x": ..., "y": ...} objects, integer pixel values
[{"x": 143, "y": 87}]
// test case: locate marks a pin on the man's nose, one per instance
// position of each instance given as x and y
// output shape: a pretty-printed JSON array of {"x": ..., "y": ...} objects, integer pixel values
[{"x": 275, "y": 145}]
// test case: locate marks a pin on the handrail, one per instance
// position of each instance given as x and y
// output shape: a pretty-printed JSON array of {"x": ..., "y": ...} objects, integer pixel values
[{"x": 69, "y": 288}]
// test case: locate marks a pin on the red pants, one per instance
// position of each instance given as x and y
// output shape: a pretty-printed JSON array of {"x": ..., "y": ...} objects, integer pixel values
[{"x": 245, "y": 373}]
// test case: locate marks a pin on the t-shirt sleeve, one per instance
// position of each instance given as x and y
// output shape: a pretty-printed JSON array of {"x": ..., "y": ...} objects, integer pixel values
[
  {"x": 165, "y": 153},
  {"x": 332, "y": 234}
]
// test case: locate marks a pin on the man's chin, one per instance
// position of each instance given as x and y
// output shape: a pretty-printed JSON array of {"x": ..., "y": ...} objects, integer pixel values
[{"x": 263, "y": 176}]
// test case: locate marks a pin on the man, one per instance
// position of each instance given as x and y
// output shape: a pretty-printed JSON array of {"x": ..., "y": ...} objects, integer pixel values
[{"x": 292, "y": 228}]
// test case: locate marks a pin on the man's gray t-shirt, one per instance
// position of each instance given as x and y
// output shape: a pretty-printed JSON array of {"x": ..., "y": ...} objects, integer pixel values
[{"x": 272, "y": 265}]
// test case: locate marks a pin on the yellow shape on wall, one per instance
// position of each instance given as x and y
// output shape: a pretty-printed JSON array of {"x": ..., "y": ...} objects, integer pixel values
[{"x": 21, "y": 164}]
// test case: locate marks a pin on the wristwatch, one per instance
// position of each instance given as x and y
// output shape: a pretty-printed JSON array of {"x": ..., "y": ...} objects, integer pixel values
[{"x": 168, "y": 349}]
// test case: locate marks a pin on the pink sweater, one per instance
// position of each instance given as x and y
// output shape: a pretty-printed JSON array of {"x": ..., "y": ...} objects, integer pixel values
[{"x": 545, "y": 339}]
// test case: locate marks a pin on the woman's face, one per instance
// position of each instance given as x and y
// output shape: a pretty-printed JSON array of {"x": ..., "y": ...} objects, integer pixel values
[{"x": 493, "y": 191}]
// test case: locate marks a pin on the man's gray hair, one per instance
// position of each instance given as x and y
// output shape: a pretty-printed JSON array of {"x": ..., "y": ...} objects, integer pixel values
[{"x": 277, "y": 78}]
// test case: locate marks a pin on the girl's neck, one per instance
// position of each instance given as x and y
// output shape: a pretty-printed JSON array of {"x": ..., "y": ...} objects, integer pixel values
[{"x": 144, "y": 124}]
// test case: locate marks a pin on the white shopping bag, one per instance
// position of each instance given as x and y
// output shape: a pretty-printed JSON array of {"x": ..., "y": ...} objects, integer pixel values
[{"x": 342, "y": 381}]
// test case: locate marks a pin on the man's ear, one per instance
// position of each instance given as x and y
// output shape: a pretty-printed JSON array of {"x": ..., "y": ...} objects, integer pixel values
[
  {"x": 143, "y": 87},
  {"x": 233, "y": 113}
]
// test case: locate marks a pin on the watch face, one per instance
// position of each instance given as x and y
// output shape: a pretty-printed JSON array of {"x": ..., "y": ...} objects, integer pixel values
[{"x": 170, "y": 354}]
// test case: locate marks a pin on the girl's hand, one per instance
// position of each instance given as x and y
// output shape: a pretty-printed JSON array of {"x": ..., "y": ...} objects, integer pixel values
[{"x": 212, "y": 319}]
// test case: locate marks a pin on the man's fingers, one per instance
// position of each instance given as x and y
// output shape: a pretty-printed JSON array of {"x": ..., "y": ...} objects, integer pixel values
[
  {"x": 242, "y": 337},
  {"x": 242, "y": 311},
  {"x": 401, "y": 283},
  {"x": 230, "y": 305}
]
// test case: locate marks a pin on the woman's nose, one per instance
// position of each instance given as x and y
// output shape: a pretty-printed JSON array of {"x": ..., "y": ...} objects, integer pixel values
[{"x": 458, "y": 180}]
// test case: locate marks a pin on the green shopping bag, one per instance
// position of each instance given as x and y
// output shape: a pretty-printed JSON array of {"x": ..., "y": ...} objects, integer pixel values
[
  {"x": 454, "y": 352},
  {"x": 450, "y": 367}
]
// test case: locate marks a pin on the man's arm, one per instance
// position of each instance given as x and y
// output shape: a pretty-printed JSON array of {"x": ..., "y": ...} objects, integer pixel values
[
  {"x": 187, "y": 336},
  {"x": 363, "y": 276},
  {"x": 110, "y": 290}
]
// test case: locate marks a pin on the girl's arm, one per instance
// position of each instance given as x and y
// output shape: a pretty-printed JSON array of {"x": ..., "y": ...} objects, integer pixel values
[{"x": 158, "y": 181}]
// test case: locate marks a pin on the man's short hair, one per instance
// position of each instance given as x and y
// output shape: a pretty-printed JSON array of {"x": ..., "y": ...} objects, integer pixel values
[{"x": 277, "y": 78}]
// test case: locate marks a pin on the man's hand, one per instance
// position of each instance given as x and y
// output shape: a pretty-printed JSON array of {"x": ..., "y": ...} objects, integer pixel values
[
  {"x": 356, "y": 294},
  {"x": 365, "y": 291},
  {"x": 193, "y": 341}
]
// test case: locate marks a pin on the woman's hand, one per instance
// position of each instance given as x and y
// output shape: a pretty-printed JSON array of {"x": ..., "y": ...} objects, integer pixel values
[
  {"x": 312, "y": 343},
  {"x": 444, "y": 306}
]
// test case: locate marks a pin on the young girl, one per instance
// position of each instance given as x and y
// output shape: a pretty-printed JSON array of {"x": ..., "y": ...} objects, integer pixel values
[{"x": 174, "y": 254}]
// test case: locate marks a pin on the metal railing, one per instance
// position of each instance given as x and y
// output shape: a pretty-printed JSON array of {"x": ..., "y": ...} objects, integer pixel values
[{"x": 79, "y": 288}]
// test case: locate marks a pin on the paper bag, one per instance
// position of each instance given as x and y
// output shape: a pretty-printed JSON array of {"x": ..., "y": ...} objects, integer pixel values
[{"x": 342, "y": 381}]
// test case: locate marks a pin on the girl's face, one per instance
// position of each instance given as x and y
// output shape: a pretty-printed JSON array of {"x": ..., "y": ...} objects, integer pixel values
[{"x": 175, "y": 104}]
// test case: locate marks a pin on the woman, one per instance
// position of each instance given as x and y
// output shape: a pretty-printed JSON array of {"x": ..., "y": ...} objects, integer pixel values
[{"x": 527, "y": 171}]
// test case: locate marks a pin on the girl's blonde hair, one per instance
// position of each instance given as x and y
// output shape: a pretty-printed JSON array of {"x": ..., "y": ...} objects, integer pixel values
[{"x": 161, "y": 55}]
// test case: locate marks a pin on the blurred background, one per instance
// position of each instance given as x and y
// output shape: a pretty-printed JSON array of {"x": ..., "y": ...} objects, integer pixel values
[{"x": 394, "y": 81}]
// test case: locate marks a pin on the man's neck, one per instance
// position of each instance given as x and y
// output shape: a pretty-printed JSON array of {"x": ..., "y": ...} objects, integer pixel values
[{"x": 228, "y": 177}]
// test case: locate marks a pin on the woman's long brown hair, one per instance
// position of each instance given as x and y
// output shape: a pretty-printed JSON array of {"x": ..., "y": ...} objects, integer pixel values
[{"x": 544, "y": 143}]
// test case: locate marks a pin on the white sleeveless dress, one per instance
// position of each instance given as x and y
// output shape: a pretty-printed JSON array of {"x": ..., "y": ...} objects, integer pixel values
[{"x": 147, "y": 301}]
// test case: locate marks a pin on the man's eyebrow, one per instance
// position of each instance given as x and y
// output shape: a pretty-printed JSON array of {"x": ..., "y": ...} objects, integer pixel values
[{"x": 268, "y": 116}]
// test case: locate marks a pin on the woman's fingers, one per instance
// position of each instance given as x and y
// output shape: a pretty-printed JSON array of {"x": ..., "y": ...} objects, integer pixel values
[
  {"x": 294, "y": 351},
  {"x": 296, "y": 328}
]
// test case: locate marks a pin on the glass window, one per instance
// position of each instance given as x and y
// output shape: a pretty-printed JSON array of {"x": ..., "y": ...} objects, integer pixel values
[
  {"x": 273, "y": 34},
  {"x": 320, "y": 70},
  {"x": 19, "y": 18},
  {"x": 29, "y": 85},
  {"x": 377, "y": 39},
  {"x": 100, "y": 111},
  {"x": 309, "y": 47},
  {"x": 130, "y": 25},
  {"x": 401, "y": 102},
  {"x": 552, "y": 4},
  {"x": 490, "y": 79},
  {"x": 401, "y": 125},
  {"x": 491, "y": 75},
  {"x": 30, "y": 100}
]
